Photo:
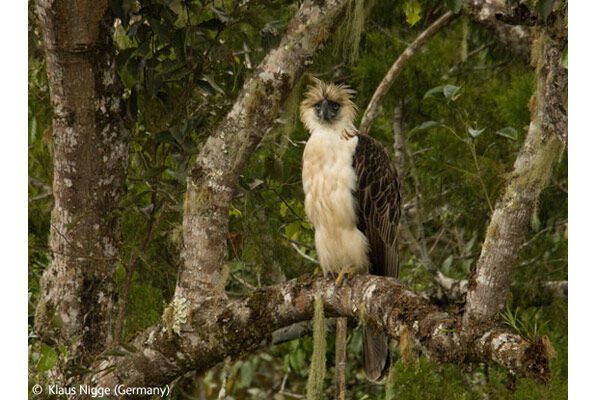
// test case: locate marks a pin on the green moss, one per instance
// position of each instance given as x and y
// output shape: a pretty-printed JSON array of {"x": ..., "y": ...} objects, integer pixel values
[{"x": 316, "y": 375}]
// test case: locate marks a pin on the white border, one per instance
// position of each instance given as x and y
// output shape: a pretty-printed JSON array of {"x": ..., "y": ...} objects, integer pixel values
[
  {"x": 584, "y": 196},
  {"x": 13, "y": 206}
]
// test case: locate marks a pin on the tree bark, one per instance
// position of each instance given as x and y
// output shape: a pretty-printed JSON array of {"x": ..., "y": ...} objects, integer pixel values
[
  {"x": 212, "y": 179},
  {"x": 501, "y": 21},
  {"x": 506, "y": 232},
  {"x": 90, "y": 165},
  {"x": 231, "y": 329}
]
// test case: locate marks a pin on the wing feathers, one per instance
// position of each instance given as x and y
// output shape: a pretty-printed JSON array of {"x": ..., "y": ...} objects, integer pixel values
[{"x": 378, "y": 204}]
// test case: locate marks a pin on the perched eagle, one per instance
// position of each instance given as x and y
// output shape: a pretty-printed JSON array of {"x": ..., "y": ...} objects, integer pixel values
[{"x": 352, "y": 198}]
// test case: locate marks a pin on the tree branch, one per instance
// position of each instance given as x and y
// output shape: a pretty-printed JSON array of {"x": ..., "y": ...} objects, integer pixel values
[
  {"x": 396, "y": 68},
  {"x": 206, "y": 336},
  {"x": 494, "y": 15},
  {"x": 214, "y": 176},
  {"x": 532, "y": 169}
]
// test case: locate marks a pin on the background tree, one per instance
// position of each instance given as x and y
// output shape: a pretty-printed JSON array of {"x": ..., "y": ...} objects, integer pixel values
[{"x": 196, "y": 75}]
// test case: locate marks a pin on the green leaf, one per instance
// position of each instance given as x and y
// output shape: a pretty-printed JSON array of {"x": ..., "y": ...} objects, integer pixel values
[
  {"x": 412, "y": 10},
  {"x": 509, "y": 132},
  {"x": 298, "y": 360},
  {"x": 437, "y": 91},
  {"x": 32, "y": 129},
  {"x": 454, "y": 5},
  {"x": 564, "y": 60},
  {"x": 48, "y": 358},
  {"x": 246, "y": 375},
  {"x": 475, "y": 132},
  {"x": 544, "y": 8},
  {"x": 450, "y": 91},
  {"x": 447, "y": 264},
  {"x": 427, "y": 125},
  {"x": 210, "y": 79},
  {"x": 447, "y": 91}
]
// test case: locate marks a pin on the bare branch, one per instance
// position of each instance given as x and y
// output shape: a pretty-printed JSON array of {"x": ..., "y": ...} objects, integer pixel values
[
  {"x": 396, "y": 68},
  {"x": 341, "y": 331}
]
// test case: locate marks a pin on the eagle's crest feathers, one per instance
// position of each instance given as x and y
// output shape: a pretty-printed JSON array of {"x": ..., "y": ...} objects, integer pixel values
[{"x": 319, "y": 91}]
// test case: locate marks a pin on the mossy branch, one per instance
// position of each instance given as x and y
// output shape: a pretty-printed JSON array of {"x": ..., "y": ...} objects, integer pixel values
[{"x": 222, "y": 329}]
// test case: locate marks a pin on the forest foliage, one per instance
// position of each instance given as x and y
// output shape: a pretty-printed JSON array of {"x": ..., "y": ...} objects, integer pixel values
[{"x": 464, "y": 116}]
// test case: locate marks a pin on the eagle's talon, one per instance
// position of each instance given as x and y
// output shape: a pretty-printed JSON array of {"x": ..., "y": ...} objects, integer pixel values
[{"x": 343, "y": 277}]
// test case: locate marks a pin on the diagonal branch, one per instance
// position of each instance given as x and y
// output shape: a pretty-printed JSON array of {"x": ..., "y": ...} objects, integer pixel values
[
  {"x": 215, "y": 173},
  {"x": 396, "y": 68},
  {"x": 532, "y": 169}
]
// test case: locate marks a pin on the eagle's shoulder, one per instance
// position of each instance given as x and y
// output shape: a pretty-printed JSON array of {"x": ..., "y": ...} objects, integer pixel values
[{"x": 372, "y": 163}]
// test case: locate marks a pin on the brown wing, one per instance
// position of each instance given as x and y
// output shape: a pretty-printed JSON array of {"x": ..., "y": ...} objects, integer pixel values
[
  {"x": 378, "y": 208},
  {"x": 378, "y": 204}
]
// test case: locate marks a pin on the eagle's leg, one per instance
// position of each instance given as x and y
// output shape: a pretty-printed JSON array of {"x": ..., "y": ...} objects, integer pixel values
[{"x": 343, "y": 276}]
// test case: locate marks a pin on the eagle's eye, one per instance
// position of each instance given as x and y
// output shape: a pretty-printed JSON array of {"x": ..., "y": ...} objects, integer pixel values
[
  {"x": 335, "y": 106},
  {"x": 318, "y": 106}
]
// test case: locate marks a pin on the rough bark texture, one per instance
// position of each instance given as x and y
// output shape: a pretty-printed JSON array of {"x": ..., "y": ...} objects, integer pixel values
[
  {"x": 493, "y": 14},
  {"x": 509, "y": 12},
  {"x": 204, "y": 337},
  {"x": 90, "y": 164},
  {"x": 396, "y": 68},
  {"x": 214, "y": 176},
  {"x": 532, "y": 169}
]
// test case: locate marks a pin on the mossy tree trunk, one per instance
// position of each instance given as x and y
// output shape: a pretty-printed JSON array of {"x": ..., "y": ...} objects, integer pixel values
[
  {"x": 543, "y": 145},
  {"x": 90, "y": 165}
]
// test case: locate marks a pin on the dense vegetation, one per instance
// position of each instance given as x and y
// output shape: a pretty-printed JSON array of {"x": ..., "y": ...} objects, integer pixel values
[{"x": 464, "y": 115}]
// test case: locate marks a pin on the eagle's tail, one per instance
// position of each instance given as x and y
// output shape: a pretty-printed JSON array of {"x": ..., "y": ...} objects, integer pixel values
[{"x": 375, "y": 354}]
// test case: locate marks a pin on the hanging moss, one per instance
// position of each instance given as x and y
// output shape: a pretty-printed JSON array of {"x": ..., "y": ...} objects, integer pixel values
[
  {"x": 348, "y": 36},
  {"x": 316, "y": 375}
]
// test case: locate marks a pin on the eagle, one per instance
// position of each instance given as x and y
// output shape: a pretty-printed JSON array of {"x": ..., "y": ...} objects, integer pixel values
[{"x": 352, "y": 198}]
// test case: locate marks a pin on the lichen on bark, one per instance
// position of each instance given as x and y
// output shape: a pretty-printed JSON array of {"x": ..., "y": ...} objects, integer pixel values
[{"x": 90, "y": 164}]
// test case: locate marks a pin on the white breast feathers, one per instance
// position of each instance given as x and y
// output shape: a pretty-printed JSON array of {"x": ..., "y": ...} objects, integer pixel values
[{"x": 328, "y": 179}]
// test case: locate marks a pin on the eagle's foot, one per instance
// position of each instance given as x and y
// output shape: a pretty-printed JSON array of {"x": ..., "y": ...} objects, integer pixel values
[{"x": 343, "y": 276}]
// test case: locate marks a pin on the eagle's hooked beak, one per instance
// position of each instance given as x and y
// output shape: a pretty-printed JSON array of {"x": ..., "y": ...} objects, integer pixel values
[{"x": 326, "y": 112}]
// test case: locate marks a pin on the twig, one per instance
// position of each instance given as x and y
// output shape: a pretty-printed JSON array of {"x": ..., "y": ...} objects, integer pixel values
[
  {"x": 226, "y": 370},
  {"x": 396, "y": 68},
  {"x": 129, "y": 270},
  {"x": 304, "y": 255}
]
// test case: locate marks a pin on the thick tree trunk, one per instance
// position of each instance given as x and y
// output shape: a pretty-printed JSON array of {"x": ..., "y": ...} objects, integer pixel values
[
  {"x": 506, "y": 232},
  {"x": 90, "y": 164}
]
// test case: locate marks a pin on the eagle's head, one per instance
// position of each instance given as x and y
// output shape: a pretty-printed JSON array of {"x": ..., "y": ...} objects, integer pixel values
[{"x": 329, "y": 106}]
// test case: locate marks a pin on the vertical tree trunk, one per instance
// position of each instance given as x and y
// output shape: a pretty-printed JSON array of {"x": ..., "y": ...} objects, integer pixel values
[
  {"x": 90, "y": 165},
  {"x": 505, "y": 234}
]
